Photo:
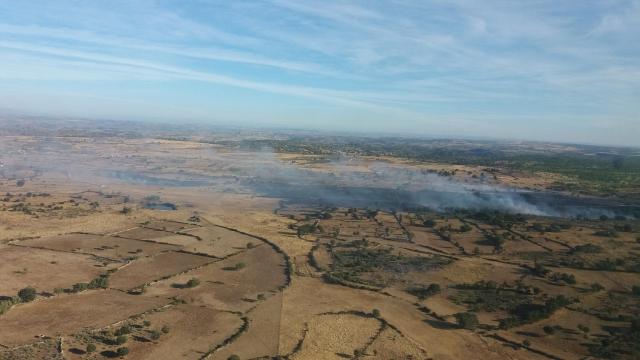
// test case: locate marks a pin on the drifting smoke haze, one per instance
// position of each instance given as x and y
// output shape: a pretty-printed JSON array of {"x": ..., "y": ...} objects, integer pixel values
[
  {"x": 346, "y": 182},
  {"x": 354, "y": 183}
]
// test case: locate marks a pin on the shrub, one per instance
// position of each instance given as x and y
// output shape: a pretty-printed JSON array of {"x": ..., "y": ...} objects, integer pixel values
[
  {"x": 146, "y": 323},
  {"x": 91, "y": 348},
  {"x": 233, "y": 357},
  {"x": 27, "y": 294},
  {"x": 237, "y": 266},
  {"x": 584, "y": 329},
  {"x": 548, "y": 330},
  {"x": 375, "y": 313},
  {"x": 123, "y": 330},
  {"x": 193, "y": 282},
  {"x": 165, "y": 329},
  {"x": 5, "y": 305},
  {"x": 429, "y": 223},
  {"x": 121, "y": 339},
  {"x": 79, "y": 287},
  {"x": 122, "y": 351},
  {"x": 567, "y": 278},
  {"x": 155, "y": 335},
  {"x": 466, "y": 320}
]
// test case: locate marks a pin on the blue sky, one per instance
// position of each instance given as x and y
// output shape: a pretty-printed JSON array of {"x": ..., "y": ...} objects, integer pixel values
[{"x": 526, "y": 69}]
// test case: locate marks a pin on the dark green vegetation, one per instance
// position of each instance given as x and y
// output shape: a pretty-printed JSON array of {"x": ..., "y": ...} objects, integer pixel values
[
  {"x": 423, "y": 292},
  {"x": 490, "y": 297},
  {"x": 531, "y": 312},
  {"x": 467, "y": 320},
  {"x": 622, "y": 344},
  {"x": 353, "y": 260},
  {"x": 27, "y": 294}
]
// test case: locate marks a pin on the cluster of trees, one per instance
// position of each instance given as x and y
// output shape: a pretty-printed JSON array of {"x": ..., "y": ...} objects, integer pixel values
[
  {"x": 624, "y": 344},
  {"x": 423, "y": 292},
  {"x": 529, "y": 312},
  {"x": 101, "y": 282},
  {"x": 311, "y": 228},
  {"x": 24, "y": 295},
  {"x": 563, "y": 277},
  {"x": 467, "y": 320}
]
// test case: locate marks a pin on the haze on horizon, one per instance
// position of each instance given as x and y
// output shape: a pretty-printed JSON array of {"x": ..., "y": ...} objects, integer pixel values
[{"x": 542, "y": 70}]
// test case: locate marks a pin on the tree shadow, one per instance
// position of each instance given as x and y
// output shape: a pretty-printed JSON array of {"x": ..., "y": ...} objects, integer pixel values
[
  {"x": 444, "y": 325},
  {"x": 109, "y": 354}
]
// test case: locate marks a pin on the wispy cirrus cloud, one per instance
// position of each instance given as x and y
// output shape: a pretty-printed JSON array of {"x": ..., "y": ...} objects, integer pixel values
[{"x": 430, "y": 62}]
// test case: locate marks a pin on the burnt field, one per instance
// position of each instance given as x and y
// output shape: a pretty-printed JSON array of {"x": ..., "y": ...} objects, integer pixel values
[{"x": 149, "y": 248}]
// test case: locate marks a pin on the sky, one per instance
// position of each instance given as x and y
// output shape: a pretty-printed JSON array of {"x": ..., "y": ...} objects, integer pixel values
[{"x": 529, "y": 69}]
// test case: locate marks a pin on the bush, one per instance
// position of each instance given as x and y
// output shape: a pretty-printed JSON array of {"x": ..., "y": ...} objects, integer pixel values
[
  {"x": 27, "y": 294},
  {"x": 564, "y": 277},
  {"x": 155, "y": 335},
  {"x": 429, "y": 223},
  {"x": 101, "y": 282},
  {"x": 233, "y": 357},
  {"x": 121, "y": 339},
  {"x": 467, "y": 320},
  {"x": 193, "y": 282},
  {"x": 123, "y": 330},
  {"x": 376, "y": 313},
  {"x": 549, "y": 330},
  {"x": 165, "y": 329},
  {"x": 79, "y": 287},
  {"x": 237, "y": 266},
  {"x": 122, "y": 351},
  {"x": 5, "y": 305},
  {"x": 91, "y": 348},
  {"x": 584, "y": 329}
]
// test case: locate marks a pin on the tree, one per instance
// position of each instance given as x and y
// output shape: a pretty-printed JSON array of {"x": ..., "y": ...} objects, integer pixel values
[
  {"x": 165, "y": 329},
  {"x": 91, "y": 348},
  {"x": 155, "y": 335},
  {"x": 27, "y": 294},
  {"x": 376, "y": 313},
  {"x": 549, "y": 330},
  {"x": 233, "y": 357},
  {"x": 467, "y": 320}
]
